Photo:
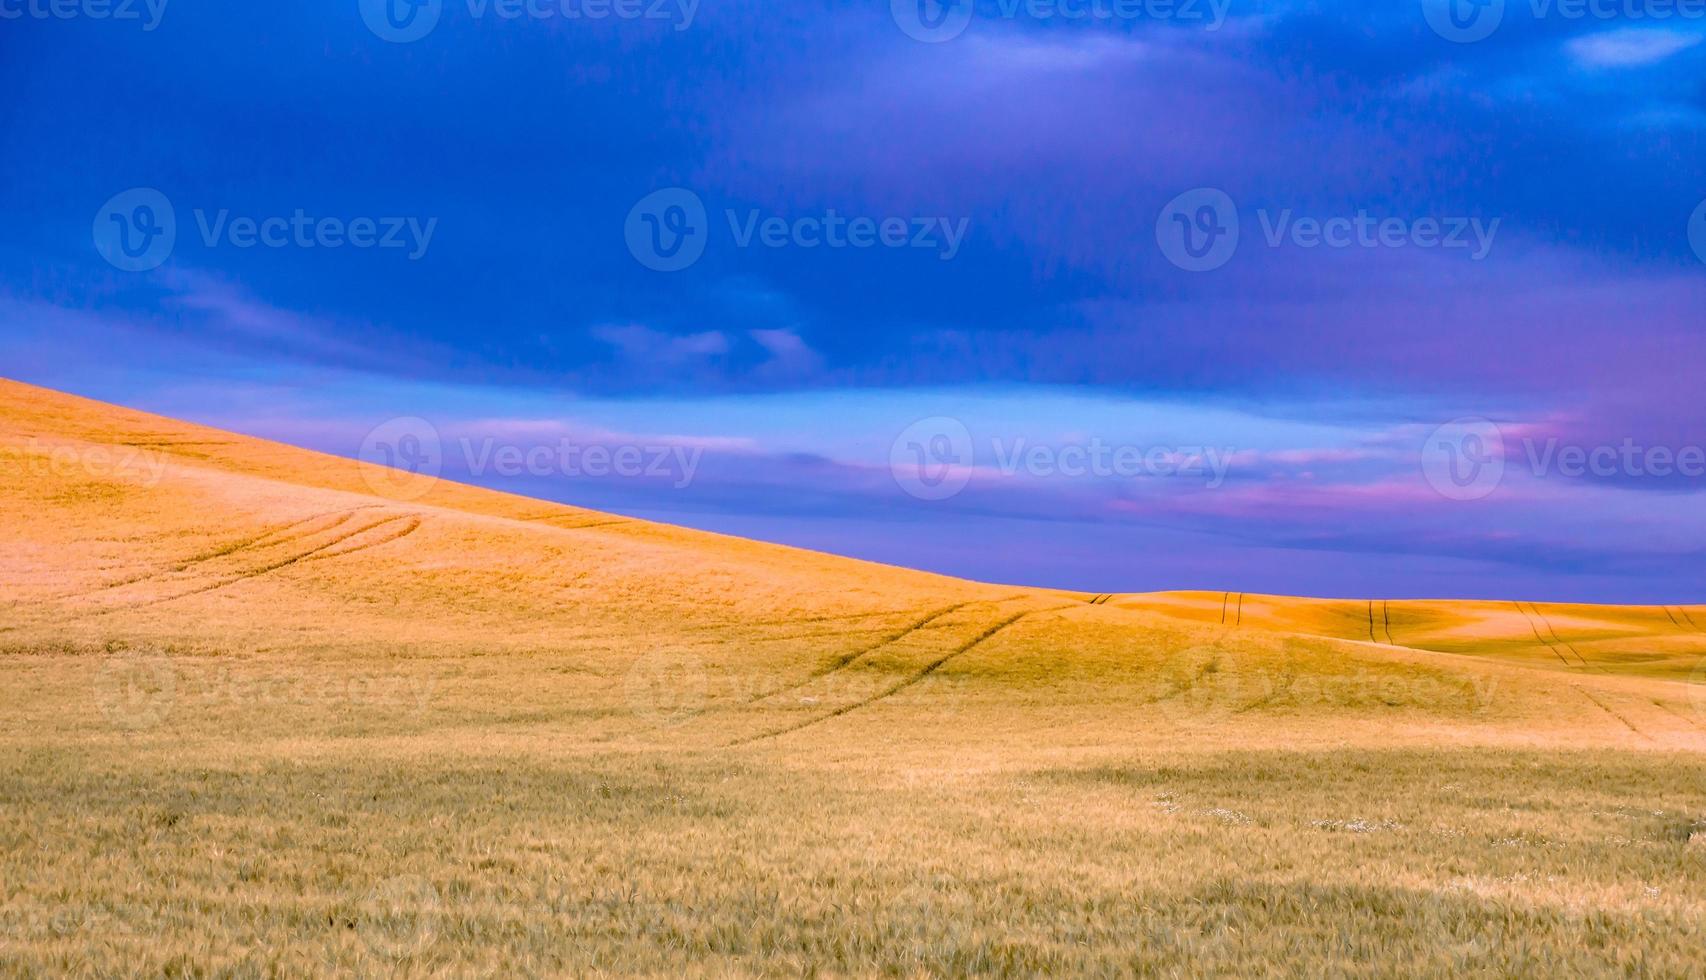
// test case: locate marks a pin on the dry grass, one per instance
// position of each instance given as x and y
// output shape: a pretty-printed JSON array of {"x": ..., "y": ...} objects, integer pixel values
[{"x": 261, "y": 720}]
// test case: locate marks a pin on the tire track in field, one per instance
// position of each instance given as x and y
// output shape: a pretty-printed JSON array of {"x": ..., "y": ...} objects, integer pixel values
[
  {"x": 1239, "y": 621},
  {"x": 1692, "y": 722},
  {"x": 1225, "y": 598},
  {"x": 549, "y": 518},
  {"x": 1371, "y": 637},
  {"x": 1689, "y": 619},
  {"x": 411, "y": 527},
  {"x": 285, "y": 563},
  {"x": 1535, "y": 628},
  {"x": 1559, "y": 639},
  {"x": 899, "y": 686},
  {"x": 1683, "y": 620},
  {"x": 847, "y": 660},
  {"x": 1386, "y": 620},
  {"x": 223, "y": 551},
  {"x": 1605, "y": 708},
  {"x": 748, "y": 623}
]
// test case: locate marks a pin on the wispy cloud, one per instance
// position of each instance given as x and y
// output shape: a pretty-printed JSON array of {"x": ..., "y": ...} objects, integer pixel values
[{"x": 1631, "y": 47}]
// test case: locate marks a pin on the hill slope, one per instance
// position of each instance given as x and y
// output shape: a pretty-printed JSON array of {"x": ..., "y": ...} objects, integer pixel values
[
  {"x": 260, "y": 718},
  {"x": 130, "y": 531}
]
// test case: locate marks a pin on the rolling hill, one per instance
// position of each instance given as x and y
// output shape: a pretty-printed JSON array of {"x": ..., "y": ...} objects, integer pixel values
[
  {"x": 184, "y": 539},
  {"x": 250, "y": 668}
]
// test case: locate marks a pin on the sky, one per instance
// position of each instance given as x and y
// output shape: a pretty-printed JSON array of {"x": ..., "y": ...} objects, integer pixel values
[{"x": 1396, "y": 300}]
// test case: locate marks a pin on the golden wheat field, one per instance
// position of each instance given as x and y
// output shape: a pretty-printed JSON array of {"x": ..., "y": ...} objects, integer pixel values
[{"x": 267, "y": 712}]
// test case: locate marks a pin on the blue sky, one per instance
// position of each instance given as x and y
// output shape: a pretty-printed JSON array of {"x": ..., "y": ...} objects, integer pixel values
[{"x": 1431, "y": 228}]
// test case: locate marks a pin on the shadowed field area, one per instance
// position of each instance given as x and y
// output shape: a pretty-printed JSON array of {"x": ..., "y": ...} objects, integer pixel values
[{"x": 267, "y": 710}]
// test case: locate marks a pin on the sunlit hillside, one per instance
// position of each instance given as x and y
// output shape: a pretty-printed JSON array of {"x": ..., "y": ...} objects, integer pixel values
[{"x": 370, "y": 723}]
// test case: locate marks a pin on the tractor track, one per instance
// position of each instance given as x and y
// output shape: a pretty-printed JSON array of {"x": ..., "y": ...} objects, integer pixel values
[
  {"x": 1534, "y": 626},
  {"x": 1234, "y": 611},
  {"x": 1683, "y": 620},
  {"x": 248, "y": 544},
  {"x": 800, "y": 621},
  {"x": 1674, "y": 713},
  {"x": 1607, "y": 709},
  {"x": 1689, "y": 619},
  {"x": 549, "y": 518},
  {"x": 411, "y": 527},
  {"x": 899, "y": 686},
  {"x": 847, "y": 660},
  {"x": 414, "y": 524},
  {"x": 1559, "y": 639}
]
